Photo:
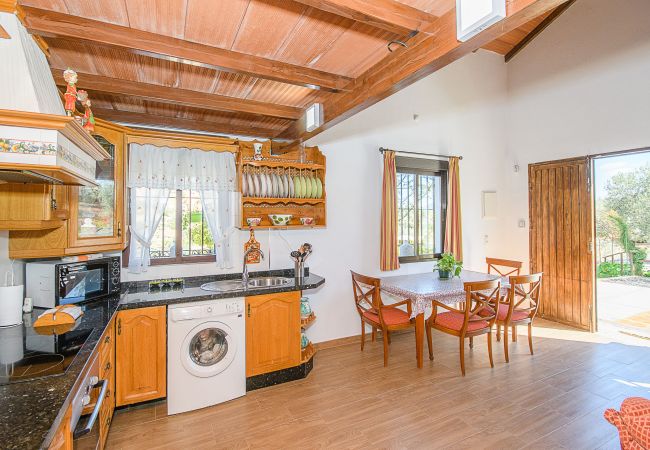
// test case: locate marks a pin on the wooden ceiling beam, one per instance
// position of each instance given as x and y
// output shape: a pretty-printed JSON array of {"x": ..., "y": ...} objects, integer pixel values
[
  {"x": 427, "y": 53},
  {"x": 389, "y": 15},
  {"x": 54, "y": 24},
  {"x": 169, "y": 122},
  {"x": 196, "y": 99},
  {"x": 538, "y": 29}
]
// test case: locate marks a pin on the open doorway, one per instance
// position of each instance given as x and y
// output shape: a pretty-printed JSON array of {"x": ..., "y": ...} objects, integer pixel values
[{"x": 622, "y": 250}]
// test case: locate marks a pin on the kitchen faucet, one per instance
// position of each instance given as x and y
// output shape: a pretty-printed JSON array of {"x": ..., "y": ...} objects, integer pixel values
[{"x": 244, "y": 275}]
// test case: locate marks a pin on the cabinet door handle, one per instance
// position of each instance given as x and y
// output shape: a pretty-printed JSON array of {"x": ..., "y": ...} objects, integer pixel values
[
  {"x": 119, "y": 229},
  {"x": 119, "y": 327},
  {"x": 107, "y": 339},
  {"x": 108, "y": 366},
  {"x": 249, "y": 310}
]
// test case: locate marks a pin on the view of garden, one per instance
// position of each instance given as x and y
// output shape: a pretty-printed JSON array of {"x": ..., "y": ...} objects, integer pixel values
[{"x": 623, "y": 242}]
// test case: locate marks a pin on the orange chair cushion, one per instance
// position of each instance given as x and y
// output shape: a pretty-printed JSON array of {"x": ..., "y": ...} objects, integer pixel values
[
  {"x": 633, "y": 422},
  {"x": 392, "y": 316},
  {"x": 503, "y": 313},
  {"x": 454, "y": 321}
]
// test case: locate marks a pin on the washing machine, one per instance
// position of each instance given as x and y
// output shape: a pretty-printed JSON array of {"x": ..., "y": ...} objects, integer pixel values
[{"x": 206, "y": 354}]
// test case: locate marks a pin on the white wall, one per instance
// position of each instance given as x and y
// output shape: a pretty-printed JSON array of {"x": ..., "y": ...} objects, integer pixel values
[
  {"x": 461, "y": 112},
  {"x": 581, "y": 87}
]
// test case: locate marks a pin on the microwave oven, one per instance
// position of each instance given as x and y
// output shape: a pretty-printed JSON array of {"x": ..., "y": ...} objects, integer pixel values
[{"x": 54, "y": 283}]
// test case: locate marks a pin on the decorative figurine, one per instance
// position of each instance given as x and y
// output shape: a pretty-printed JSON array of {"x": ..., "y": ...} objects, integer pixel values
[
  {"x": 82, "y": 96},
  {"x": 252, "y": 257},
  {"x": 89, "y": 126},
  {"x": 70, "y": 77}
]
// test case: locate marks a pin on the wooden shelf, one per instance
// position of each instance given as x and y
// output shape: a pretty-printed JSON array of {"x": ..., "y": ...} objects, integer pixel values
[
  {"x": 288, "y": 164},
  {"x": 280, "y": 227},
  {"x": 304, "y": 323},
  {"x": 28, "y": 225},
  {"x": 298, "y": 201},
  {"x": 307, "y": 353}
]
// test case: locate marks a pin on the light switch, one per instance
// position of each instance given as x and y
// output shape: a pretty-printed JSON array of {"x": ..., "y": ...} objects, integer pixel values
[{"x": 522, "y": 223}]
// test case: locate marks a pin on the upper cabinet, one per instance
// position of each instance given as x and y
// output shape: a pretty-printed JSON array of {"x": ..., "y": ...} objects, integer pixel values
[
  {"x": 81, "y": 219},
  {"x": 97, "y": 213}
]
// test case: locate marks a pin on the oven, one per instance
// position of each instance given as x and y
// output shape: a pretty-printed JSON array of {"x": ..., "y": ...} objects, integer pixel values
[
  {"x": 86, "y": 406},
  {"x": 53, "y": 283}
]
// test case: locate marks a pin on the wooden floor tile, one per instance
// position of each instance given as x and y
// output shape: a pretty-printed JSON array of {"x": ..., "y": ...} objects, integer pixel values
[{"x": 553, "y": 399}]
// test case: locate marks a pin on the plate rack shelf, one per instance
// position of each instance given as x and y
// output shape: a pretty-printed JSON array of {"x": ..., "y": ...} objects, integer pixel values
[{"x": 308, "y": 165}]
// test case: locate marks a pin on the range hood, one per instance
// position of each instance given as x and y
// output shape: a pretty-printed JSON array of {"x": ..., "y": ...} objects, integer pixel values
[{"x": 39, "y": 143}]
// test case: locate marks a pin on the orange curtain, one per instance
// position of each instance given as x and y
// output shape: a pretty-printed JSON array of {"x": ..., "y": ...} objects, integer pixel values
[
  {"x": 453, "y": 229},
  {"x": 389, "y": 257}
]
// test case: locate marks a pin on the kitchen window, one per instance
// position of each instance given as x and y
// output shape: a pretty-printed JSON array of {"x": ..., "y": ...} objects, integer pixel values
[
  {"x": 421, "y": 208},
  {"x": 183, "y": 235}
]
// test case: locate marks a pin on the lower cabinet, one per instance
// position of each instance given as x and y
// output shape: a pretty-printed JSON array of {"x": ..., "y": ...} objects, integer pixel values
[
  {"x": 62, "y": 439},
  {"x": 102, "y": 364},
  {"x": 141, "y": 355},
  {"x": 272, "y": 332}
]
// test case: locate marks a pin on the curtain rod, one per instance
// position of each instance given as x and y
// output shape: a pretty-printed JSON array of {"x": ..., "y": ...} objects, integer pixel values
[{"x": 382, "y": 150}]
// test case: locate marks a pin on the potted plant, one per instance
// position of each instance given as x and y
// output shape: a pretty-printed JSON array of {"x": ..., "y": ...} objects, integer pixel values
[{"x": 448, "y": 267}]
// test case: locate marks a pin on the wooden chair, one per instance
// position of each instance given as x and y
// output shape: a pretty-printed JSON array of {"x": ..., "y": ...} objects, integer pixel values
[
  {"x": 475, "y": 316},
  {"x": 504, "y": 268},
  {"x": 520, "y": 306},
  {"x": 372, "y": 311}
]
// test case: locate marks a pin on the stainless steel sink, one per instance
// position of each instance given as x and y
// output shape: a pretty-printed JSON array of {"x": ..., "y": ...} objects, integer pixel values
[
  {"x": 264, "y": 282},
  {"x": 223, "y": 286}
]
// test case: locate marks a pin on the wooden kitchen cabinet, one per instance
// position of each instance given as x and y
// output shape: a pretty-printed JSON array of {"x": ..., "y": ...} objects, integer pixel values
[
  {"x": 107, "y": 372},
  {"x": 88, "y": 219},
  {"x": 32, "y": 206},
  {"x": 272, "y": 332},
  {"x": 97, "y": 213},
  {"x": 62, "y": 439},
  {"x": 141, "y": 355}
]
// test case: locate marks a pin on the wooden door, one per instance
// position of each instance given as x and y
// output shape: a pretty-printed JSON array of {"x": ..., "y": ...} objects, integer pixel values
[
  {"x": 97, "y": 213},
  {"x": 561, "y": 240},
  {"x": 272, "y": 332},
  {"x": 141, "y": 355}
]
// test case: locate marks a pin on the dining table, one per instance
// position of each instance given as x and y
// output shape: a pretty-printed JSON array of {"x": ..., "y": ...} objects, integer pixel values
[{"x": 424, "y": 290}]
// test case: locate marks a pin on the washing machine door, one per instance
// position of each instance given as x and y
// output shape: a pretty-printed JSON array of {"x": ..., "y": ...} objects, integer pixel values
[{"x": 208, "y": 349}]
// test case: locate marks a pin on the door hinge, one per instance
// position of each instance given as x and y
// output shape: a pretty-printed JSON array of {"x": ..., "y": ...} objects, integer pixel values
[{"x": 119, "y": 327}]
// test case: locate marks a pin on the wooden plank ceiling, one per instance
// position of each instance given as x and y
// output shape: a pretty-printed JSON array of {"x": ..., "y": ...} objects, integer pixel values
[{"x": 251, "y": 67}]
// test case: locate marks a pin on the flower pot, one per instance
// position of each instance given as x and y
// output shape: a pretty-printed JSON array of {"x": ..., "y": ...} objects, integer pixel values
[{"x": 444, "y": 274}]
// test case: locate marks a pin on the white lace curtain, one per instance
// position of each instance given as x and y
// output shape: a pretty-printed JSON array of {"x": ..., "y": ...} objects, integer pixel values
[{"x": 155, "y": 171}]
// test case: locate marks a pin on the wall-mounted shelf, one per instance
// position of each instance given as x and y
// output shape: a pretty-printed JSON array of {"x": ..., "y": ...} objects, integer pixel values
[
  {"x": 286, "y": 165},
  {"x": 269, "y": 200}
]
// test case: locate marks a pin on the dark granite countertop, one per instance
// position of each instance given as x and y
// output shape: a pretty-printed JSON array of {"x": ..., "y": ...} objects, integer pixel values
[
  {"x": 31, "y": 411},
  {"x": 138, "y": 295}
]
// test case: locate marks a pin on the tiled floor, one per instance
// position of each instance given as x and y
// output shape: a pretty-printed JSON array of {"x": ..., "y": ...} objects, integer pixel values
[{"x": 554, "y": 399}]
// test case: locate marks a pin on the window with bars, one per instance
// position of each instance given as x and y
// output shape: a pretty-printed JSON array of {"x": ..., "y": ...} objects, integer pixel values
[
  {"x": 183, "y": 234},
  {"x": 421, "y": 208}
]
